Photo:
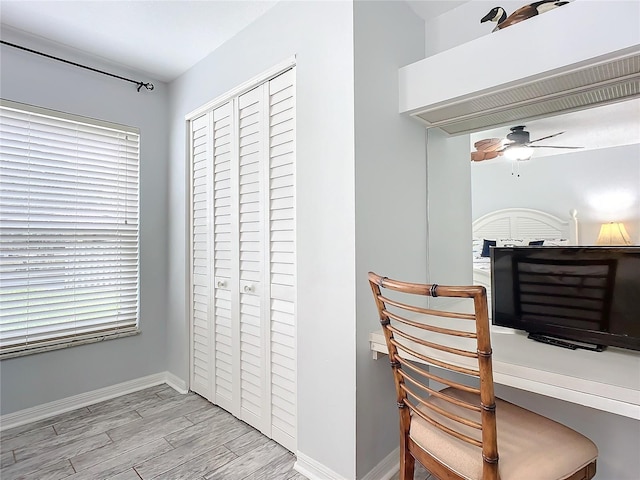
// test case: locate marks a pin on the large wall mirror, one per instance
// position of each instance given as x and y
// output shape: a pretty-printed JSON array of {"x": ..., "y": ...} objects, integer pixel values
[{"x": 600, "y": 180}]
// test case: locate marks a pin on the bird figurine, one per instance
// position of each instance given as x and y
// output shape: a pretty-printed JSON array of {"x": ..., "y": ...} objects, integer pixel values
[{"x": 498, "y": 15}]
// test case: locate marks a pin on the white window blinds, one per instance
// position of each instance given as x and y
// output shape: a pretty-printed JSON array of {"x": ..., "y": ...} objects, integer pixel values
[{"x": 69, "y": 250}]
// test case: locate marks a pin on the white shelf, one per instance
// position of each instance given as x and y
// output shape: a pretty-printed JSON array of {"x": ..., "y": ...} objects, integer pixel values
[{"x": 608, "y": 380}]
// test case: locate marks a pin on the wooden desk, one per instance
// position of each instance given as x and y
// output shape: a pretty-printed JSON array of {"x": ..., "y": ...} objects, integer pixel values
[{"x": 608, "y": 381}]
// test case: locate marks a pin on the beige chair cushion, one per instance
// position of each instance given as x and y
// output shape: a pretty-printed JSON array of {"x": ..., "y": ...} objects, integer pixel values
[{"x": 530, "y": 446}]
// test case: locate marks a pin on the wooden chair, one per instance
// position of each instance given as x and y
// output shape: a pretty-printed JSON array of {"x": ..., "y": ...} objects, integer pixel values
[{"x": 457, "y": 432}]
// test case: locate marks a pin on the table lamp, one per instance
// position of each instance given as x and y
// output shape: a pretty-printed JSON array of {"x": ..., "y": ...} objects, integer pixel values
[{"x": 613, "y": 233}]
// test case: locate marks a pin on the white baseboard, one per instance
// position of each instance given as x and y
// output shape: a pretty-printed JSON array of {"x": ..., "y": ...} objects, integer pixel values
[
  {"x": 176, "y": 383},
  {"x": 313, "y": 469},
  {"x": 74, "y": 402},
  {"x": 387, "y": 468}
]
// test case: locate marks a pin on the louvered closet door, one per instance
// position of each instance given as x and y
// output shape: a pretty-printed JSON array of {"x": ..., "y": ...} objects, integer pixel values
[
  {"x": 281, "y": 217},
  {"x": 224, "y": 251},
  {"x": 201, "y": 332},
  {"x": 251, "y": 127},
  {"x": 243, "y": 263}
]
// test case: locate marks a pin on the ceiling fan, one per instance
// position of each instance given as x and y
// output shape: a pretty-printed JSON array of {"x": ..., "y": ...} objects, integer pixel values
[{"x": 517, "y": 146}]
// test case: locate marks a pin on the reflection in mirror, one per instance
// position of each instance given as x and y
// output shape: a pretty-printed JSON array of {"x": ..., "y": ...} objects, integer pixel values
[{"x": 601, "y": 180}]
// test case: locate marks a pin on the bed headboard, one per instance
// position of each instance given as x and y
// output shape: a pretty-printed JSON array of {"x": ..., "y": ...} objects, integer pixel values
[{"x": 526, "y": 223}]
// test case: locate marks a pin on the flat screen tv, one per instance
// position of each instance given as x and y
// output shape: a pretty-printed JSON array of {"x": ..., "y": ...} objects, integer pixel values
[{"x": 586, "y": 297}]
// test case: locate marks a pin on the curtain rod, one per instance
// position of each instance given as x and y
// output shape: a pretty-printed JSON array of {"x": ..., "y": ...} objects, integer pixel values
[{"x": 148, "y": 86}]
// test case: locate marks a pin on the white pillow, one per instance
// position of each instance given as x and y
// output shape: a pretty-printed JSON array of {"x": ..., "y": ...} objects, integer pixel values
[{"x": 477, "y": 246}]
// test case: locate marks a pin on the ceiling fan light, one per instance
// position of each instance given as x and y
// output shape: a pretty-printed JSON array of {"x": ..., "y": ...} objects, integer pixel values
[{"x": 519, "y": 152}]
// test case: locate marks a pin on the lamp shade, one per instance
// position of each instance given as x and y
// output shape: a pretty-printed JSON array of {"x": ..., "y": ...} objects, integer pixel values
[{"x": 613, "y": 233}]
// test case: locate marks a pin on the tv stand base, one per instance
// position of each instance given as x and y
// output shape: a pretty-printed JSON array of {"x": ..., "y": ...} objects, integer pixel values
[{"x": 570, "y": 344}]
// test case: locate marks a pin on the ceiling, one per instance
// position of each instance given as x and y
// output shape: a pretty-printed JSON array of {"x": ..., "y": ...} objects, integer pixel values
[
  {"x": 159, "y": 38},
  {"x": 162, "y": 39}
]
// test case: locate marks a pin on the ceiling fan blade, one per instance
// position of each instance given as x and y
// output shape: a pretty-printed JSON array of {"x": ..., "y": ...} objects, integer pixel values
[
  {"x": 488, "y": 144},
  {"x": 548, "y": 136},
  {"x": 479, "y": 156},
  {"x": 550, "y": 146}
]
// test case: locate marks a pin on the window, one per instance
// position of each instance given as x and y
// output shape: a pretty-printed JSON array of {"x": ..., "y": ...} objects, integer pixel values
[{"x": 69, "y": 269}]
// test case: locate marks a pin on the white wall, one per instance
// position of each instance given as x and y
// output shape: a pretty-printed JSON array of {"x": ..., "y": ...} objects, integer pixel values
[
  {"x": 462, "y": 25},
  {"x": 46, "y": 377},
  {"x": 602, "y": 185},
  {"x": 320, "y": 35},
  {"x": 390, "y": 202}
]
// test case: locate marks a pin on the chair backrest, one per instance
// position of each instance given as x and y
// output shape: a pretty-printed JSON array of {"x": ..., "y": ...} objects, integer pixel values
[{"x": 458, "y": 341}]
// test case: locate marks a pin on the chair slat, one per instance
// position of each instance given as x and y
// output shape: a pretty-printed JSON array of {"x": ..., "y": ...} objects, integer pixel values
[
  {"x": 441, "y": 411},
  {"x": 431, "y": 328},
  {"x": 428, "y": 311},
  {"x": 437, "y": 378},
  {"x": 433, "y": 361},
  {"x": 436, "y": 393},
  {"x": 435, "y": 346}
]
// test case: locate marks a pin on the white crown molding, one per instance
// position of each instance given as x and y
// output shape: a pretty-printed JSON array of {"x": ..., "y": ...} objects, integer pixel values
[{"x": 74, "y": 402}]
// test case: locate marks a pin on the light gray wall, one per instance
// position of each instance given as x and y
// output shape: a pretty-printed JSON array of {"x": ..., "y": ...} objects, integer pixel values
[
  {"x": 390, "y": 202},
  {"x": 449, "y": 208},
  {"x": 320, "y": 35},
  {"x": 585, "y": 181},
  {"x": 37, "y": 379}
]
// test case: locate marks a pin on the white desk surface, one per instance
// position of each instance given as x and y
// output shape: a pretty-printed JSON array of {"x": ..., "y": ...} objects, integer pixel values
[{"x": 608, "y": 380}]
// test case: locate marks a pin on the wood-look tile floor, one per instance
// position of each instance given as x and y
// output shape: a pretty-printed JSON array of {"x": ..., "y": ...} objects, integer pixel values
[{"x": 155, "y": 433}]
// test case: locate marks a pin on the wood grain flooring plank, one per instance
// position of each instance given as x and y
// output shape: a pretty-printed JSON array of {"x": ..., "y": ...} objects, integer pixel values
[
  {"x": 66, "y": 441},
  {"x": 6, "y": 459},
  {"x": 27, "y": 438},
  {"x": 126, "y": 475},
  {"x": 109, "y": 451},
  {"x": 56, "y": 471},
  {"x": 247, "y": 442},
  {"x": 97, "y": 423},
  {"x": 206, "y": 414},
  {"x": 123, "y": 462},
  {"x": 199, "y": 466},
  {"x": 296, "y": 476},
  {"x": 149, "y": 428},
  {"x": 278, "y": 468},
  {"x": 168, "y": 393},
  {"x": 247, "y": 464},
  {"x": 184, "y": 404},
  {"x": 176, "y": 457},
  {"x": 224, "y": 427},
  {"x": 50, "y": 457}
]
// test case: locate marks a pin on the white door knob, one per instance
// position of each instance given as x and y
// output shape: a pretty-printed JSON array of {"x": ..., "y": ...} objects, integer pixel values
[{"x": 221, "y": 284}]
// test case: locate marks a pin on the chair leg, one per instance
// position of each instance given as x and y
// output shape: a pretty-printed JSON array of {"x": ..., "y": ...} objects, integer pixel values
[{"x": 407, "y": 463}]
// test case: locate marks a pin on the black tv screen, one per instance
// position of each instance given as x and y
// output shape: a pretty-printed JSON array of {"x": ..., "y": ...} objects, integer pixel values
[{"x": 584, "y": 294}]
